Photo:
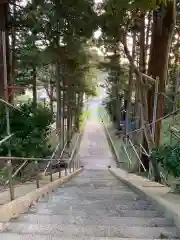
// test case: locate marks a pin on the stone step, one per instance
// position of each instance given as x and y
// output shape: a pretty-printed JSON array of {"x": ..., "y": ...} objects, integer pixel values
[
  {"x": 78, "y": 196},
  {"x": 100, "y": 205},
  {"x": 57, "y": 210},
  {"x": 13, "y": 236},
  {"x": 94, "y": 184},
  {"x": 92, "y": 220},
  {"x": 78, "y": 193},
  {"x": 122, "y": 231},
  {"x": 73, "y": 203}
]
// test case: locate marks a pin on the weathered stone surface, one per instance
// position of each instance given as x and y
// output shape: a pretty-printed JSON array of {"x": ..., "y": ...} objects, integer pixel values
[{"x": 94, "y": 205}]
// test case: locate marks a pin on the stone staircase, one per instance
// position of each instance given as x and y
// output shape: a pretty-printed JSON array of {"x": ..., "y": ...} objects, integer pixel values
[{"x": 95, "y": 206}]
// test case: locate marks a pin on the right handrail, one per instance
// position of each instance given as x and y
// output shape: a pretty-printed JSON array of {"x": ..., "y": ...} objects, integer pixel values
[{"x": 111, "y": 142}]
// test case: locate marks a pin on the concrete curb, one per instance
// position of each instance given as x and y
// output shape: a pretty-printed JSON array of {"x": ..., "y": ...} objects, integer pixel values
[
  {"x": 170, "y": 209},
  {"x": 20, "y": 205}
]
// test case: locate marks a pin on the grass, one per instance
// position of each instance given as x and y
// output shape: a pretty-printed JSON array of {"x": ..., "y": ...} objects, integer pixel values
[
  {"x": 53, "y": 139},
  {"x": 166, "y": 134},
  {"x": 117, "y": 141},
  {"x": 86, "y": 113},
  {"x": 168, "y": 140}
]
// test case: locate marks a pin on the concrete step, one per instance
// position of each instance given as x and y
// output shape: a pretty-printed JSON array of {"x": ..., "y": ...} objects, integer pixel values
[
  {"x": 93, "y": 206},
  {"x": 93, "y": 220},
  {"x": 99, "y": 191},
  {"x": 94, "y": 196},
  {"x": 100, "y": 205},
  {"x": 10, "y": 236},
  {"x": 57, "y": 210},
  {"x": 94, "y": 184},
  {"x": 122, "y": 231}
]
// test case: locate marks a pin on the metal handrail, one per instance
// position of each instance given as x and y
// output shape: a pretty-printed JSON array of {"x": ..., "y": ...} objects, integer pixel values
[
  {"x": 127, "y": 154},
  {"x": 61, "y": 154},
  {"x": 77, "y": 141},
  {"x": 111, "y": 142},
  {"x": 17, "y": 171},
  {"x": 52, "y": 157},
  {"x": 70, "y": 161},
  {"x": 74, "y": 149},
  {"x": 6, "y": 138},
  {"x": 137, "y": 155},
  {"x": 6, "y": 158},
  {"x": 76, "y": 165}
]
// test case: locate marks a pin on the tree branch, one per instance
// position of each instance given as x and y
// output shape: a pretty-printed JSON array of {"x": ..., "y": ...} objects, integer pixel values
[
  {"x": 49, "y": 95},
  {"x": 128, "y": 55}
]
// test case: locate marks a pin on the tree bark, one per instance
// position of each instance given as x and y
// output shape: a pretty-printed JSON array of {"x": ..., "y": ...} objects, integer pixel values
[
  {"x": 4, "y": 27},
  {"x": 13, "y": 45},
  {"x": 162, "y": 32},
  {"x": 175, "y": 70},
  {"x": 142, "y": 66},
  {"x": 144, "y": 108},
  {"x": 148, "y": 30},
  {"x": 34, "y": 87},
  {"x": 78, "y": 110},
  {"x": 51, "y": 96},
  {"x": 58, "y": 97},
  {"x": 130, "y": 86}
]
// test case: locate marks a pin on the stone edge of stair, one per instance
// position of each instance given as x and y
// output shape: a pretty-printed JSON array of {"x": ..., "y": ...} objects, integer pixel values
[
  {"x": 20, "y": 205},
  {"x": 170, "y": 210}
]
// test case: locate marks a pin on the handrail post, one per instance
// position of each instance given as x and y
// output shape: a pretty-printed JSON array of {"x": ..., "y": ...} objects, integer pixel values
[
  {"x": 50, "y": 166},
  {"x": 37, "y": 174},
  {"x": 11, "y": 189},
  {"x": 78, "y": 162},
  {"x": 59, "y": 169},
  {"x": 69, "y": 167},
  {"x": 65, "y": 168},
  {"x": 6, "y": 98},
  {"x": 73, "y": 165},
  {"x": 155, "y": 108}
]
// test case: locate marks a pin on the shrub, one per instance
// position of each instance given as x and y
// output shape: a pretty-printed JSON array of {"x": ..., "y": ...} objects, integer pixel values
[
  {"x": 30, "y": 127},
  {"x": 169, "y": 158}
]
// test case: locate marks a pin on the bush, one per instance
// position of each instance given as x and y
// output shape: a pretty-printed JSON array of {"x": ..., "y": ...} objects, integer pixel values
[
  {"x": 168, "y": 157},
  {"x": 30, "y": 127}
]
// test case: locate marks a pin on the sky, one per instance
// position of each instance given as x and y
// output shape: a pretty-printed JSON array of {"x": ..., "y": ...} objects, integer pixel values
[{"x": 98, "y": 1}]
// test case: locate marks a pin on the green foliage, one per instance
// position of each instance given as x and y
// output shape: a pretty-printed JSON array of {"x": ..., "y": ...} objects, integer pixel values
[
  {"x": 30, "y": 127},
  {"x": 168, "y": 157},
  {"x": 53, "y": 31}
]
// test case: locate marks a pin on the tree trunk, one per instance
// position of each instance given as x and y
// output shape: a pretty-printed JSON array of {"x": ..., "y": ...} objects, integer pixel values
[
  {"x": 118, "y": 105},
  {"x": 175, "y": 71},
  {"x": 51, "y": 95},
  {"x": 13, "y": 45},
  {"x": 63, "y": 114},
  {"x": 4, "y": 27},
  {"x": 78, "y": 110},
  {"x": 144, "y": 108},
  {"x": 130, "y": 87},
  {"x": 142, "y": 66},
  {"x": 162, "y": 31},
  {"x": 68, "y": 121},
  {"x": 148, "y": 30},
  {"x": 34, "y": 87},
  {"x": 58, "y": 97}
]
